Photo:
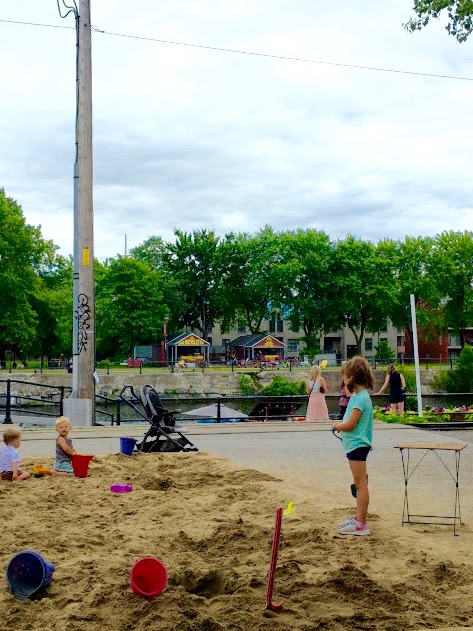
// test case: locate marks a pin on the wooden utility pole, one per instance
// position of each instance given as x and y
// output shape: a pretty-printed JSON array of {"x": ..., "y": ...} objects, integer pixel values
[{"x": 84, "y": 298}]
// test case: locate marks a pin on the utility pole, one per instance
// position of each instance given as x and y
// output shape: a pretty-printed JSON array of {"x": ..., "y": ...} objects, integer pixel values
[{"x": 81, "y": 405}]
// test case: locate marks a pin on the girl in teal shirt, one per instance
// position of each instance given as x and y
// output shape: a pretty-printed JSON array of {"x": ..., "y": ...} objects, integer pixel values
[{"x": 357, "y": 435}]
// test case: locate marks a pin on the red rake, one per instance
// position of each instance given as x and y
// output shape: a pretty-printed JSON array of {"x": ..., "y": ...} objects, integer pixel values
[{"x": 273, "y": 562}]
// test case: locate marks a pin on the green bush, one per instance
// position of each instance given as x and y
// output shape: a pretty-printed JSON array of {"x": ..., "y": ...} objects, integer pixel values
[
  {"x": 246, "y": 385},
  {"x": 410, "y": 404},
  {"x": 460, "y": 379},
  {"x": 409, "y": 376},
  {"x": 282, "y": 387},
  {"x": 440, "y": 381}
]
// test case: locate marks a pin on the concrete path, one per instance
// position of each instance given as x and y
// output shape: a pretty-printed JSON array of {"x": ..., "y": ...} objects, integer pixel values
[{"x": 104, "y": 440}]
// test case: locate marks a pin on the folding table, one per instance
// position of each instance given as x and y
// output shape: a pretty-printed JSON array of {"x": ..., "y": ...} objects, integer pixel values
[{"x": 408, "y": 469}]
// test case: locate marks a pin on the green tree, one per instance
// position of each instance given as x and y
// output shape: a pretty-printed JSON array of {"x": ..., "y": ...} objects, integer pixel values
[
  {"x": 129, "y": 307},
  {"x": 384, "y": 352},
  {"x": 247, "y": 288},
  {"x": 363, "y": 287},
  {"x": 460, "y": 379},
  {"x": 410, "y": 262},
  {"x": 305, "y": 283},
  {"x": 451, "y": 272},
  {"x": 459, "y": 13},
  {"x": 23, "y": 253},
  {"x": 54, "y": 308},
  {"x": 153, "y": 252},
  {"x": 195, "y": 265}
]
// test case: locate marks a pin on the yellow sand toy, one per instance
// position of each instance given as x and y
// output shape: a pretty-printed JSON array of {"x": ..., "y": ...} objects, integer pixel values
[
  {"x": 290, "y": 509},
  {"x": 39, "y": 470}
]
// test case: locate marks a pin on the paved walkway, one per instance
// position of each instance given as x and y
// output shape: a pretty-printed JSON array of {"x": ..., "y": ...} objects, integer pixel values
[{"x": 104, "y": 440}]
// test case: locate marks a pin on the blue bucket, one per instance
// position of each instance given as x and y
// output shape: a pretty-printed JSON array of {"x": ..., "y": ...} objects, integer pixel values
[
  {"x": 27, "y": 573},
  {"x": 127, "y": 446}
]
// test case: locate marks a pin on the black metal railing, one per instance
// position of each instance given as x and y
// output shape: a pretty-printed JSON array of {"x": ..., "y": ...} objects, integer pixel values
[
  {"x": 11, "y": 399},
  {"x": 147, "y": 366},
  {"x": 143, "y": 366}
]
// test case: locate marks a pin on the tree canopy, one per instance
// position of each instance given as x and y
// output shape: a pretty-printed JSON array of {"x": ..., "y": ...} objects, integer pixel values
[
  {"x": 199, "y": 279},
  {"x": 458, "y": 12},
  {"x": 130, "y": 308},
  {"x": 24, "y": 255}
]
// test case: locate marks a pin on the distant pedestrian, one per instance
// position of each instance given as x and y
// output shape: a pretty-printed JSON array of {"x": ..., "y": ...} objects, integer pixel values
[
  {"x": 343, "y": 400},
  {"x": 397, "y": 385},
  {"x": 316, "y": 389}
]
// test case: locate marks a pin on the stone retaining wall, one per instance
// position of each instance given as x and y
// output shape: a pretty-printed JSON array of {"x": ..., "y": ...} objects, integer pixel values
[{"x": 198, "y": 382}]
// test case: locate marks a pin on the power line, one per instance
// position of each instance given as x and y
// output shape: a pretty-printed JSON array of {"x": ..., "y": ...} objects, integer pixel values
[
  {"x": 236, "y": 51},
  {"x": 37, "y": 24}
]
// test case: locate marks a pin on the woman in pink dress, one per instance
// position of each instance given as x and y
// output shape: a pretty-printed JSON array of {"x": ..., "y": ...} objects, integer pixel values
[{"x": 316, "y": 389}]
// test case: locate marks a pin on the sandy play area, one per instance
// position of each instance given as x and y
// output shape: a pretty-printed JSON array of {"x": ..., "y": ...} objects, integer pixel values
[{"x": 211, "y": 523}]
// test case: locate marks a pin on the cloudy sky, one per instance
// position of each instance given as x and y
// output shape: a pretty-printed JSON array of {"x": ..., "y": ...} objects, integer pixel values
[{"x": 186, "y": 137}]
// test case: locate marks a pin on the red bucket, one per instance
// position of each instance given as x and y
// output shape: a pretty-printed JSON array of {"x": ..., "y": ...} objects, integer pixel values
[
  {"x": 80, "y": 464},
  {"x": 148, "y": 577}
]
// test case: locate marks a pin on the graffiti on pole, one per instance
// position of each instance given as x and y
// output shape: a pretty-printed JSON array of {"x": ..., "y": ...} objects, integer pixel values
[{"x": 82, "y": 316}]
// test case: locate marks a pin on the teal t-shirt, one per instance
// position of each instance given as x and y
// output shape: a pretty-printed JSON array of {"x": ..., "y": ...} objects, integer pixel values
[{"x": 362, "y": 435}]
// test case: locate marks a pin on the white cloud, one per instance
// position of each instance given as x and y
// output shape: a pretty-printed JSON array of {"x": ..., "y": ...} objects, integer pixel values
[{"x": 187, "y": 137}]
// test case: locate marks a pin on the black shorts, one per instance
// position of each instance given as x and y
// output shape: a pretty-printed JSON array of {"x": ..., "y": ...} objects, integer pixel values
[{"x": 360, "y": 454}]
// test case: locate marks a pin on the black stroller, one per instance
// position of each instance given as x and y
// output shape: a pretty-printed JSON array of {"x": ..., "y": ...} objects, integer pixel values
[{"x": 162, "y": 435}]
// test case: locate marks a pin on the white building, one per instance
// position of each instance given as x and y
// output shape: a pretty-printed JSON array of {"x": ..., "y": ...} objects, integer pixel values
[{"x": 341, "y": 342}]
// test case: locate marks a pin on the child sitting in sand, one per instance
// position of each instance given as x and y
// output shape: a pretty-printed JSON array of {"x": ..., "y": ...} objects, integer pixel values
[
  {"x": 64, "y": 449},
  {"x": 10, "y": 458}
]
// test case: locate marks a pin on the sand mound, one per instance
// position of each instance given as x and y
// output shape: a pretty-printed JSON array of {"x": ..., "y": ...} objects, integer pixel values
[{"x": 211, "y": 524}]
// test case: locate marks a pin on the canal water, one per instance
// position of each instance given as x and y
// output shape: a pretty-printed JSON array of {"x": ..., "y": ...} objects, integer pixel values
[{"x": 108, "y": 412}]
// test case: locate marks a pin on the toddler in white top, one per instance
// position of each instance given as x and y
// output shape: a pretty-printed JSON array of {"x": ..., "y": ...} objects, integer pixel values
[{"x": 10, "y": 458}]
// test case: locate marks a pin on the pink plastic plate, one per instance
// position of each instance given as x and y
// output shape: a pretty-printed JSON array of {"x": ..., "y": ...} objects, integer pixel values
[{"x": 121, "y": 488}]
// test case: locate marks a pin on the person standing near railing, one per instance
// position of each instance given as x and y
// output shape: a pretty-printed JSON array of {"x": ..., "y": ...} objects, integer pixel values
[{"x": 397, "y": 385}]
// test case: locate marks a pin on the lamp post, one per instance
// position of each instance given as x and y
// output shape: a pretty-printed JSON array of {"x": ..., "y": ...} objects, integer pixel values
[{"x": 165, "y": 337}]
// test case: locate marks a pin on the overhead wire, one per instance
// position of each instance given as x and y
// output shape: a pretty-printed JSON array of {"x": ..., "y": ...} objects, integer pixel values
[
  {"x": 75, "y": 11},
  {"x": 72, "y": 9},
  {"x": 237, "y": 51}
]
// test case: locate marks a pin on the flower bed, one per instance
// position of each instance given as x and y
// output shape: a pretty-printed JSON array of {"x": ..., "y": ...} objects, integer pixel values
[{"x": 436, "y": 414}]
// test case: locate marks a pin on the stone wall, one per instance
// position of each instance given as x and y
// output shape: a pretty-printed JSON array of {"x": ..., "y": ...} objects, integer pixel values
[{"x": 198, "y": 382}]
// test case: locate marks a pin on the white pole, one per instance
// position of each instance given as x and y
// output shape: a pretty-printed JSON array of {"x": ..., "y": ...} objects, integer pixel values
[{"x": 416, "y": 354}]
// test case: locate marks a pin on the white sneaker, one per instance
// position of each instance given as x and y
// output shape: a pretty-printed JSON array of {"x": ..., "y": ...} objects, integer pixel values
[
  {"x": 355, "y": 528},
  {"x": 363, "y": 530},
  {"x": 346, "y": 522}
]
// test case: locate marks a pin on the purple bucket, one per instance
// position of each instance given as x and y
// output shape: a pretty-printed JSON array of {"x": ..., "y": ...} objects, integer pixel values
[{"x": 27, "y": 573}]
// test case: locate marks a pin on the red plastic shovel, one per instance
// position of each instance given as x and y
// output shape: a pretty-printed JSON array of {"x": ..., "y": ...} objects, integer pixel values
[{"x": 273, "y": 562}]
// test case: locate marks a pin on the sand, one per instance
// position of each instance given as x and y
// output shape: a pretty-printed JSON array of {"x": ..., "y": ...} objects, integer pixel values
[{"x": 211, "y": 523}]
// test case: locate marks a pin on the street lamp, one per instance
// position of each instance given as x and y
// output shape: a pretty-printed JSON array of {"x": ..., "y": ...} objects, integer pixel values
[{"x": 167, "y": 317}]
